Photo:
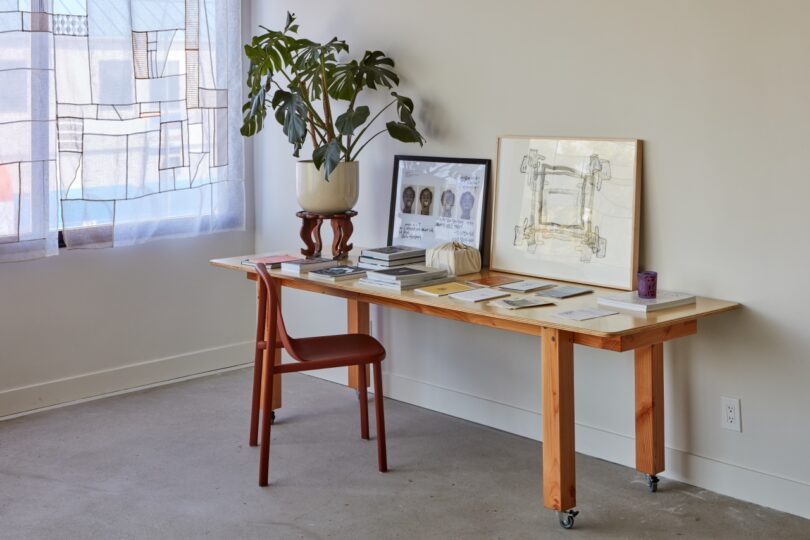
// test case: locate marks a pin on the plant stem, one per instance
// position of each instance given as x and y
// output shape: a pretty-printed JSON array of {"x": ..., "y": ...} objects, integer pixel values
[
  {"x": 362, "y": 131},
  {"x": 365, "y": 143},
  {"x": 327, "y": 108}
]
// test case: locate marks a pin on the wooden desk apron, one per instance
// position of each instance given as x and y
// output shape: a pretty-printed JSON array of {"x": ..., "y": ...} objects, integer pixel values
[{"x": 644, "y": 334}]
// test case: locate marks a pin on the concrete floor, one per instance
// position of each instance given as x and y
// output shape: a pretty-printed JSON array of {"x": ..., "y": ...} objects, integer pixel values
[{"x": 172, "y": 462}]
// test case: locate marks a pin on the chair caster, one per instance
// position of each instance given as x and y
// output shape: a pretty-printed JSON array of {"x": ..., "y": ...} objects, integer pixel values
[
  {"x": 567, "y": 518},
  {"x": 652, "y": 483},
  {"x": 272, "y": 417}
]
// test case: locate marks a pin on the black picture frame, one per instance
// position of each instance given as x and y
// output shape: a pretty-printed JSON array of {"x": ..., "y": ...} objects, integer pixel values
[{"x": 483, "y": 197}]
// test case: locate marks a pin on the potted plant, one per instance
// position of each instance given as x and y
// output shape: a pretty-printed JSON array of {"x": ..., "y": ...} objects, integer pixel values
[{"x": 305, "y": 84}]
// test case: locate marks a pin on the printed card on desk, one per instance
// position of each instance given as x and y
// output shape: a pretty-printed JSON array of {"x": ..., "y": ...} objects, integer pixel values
[
  {"x": 478, "y": 295},
  {"x": 584, "y": 314},
  {"x": 520, "y": 303},
  {"x": 527, "y": 285},
  {"x": 443, "y": 290},
  {"x": 564, "y": 291}
]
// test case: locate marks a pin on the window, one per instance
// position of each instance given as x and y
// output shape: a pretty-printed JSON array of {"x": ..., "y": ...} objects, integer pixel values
[{"x": 119, "y": 124}]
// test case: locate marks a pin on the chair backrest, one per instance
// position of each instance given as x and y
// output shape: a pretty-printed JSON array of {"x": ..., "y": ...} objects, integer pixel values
[{"x": 273, "y": 309}]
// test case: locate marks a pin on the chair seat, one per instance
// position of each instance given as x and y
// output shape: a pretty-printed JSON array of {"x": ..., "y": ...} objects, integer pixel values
[{"x": 360, "y": 347}]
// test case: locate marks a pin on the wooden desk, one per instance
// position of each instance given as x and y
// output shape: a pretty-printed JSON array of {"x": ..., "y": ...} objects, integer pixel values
[{"x": 644, "y": 334}]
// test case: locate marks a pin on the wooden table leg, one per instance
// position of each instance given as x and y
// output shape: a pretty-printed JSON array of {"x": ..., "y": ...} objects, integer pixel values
[
  {"x": 559, "y": 473},
  {"x": 650, "y": 409},
  {"x": 276, "y": 356},
  {"x": 358, "y": 323}
]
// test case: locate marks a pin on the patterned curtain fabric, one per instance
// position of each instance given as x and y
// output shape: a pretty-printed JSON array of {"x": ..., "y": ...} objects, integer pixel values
[{"x": 118, "y": 122}]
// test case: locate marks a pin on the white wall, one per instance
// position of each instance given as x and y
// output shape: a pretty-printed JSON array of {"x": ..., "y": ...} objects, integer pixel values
[{"x": 717, "y": 89}]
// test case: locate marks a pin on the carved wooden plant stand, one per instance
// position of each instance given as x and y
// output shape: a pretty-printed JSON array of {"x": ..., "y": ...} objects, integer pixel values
[{"x": 342, "y": 229}]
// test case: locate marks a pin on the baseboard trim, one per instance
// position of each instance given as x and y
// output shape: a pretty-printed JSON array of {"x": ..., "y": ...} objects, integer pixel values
[
  {"x": 741, "y": 482},
  {"x": 129, "y": 378}
]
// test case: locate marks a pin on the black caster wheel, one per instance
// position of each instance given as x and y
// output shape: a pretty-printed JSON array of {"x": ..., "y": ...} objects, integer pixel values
[
  {"x": 272, "y": 417},
  {"x": 567, "y": 518},
  {"x": 652, "y": 483}
]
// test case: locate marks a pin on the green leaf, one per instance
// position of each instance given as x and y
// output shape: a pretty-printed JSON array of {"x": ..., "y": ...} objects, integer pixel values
[
  {"x": 292, "y": 114},
  {"x": 327, "y": 155},
  {"x": 371, "y": 71},
  {"x": 351, "y": 120},
  {"x": 405, "y": 133},
  {"x": 405, "y": 109}
]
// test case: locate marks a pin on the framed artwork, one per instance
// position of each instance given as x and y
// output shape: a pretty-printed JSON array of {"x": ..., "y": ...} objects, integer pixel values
[
  {"x": 568, "y": 209},
  {"x": 436, "y": 200}
]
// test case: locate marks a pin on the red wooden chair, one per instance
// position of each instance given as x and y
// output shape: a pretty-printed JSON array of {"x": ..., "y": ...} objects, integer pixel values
[{"x": 311, "y": 353}]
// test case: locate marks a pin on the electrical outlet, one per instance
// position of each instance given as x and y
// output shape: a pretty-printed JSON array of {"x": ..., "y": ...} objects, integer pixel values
[{"x": 730, "y": 411}]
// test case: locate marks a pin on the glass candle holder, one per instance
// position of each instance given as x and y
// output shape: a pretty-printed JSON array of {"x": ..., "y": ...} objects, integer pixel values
[{"x": 647, "y": 284}]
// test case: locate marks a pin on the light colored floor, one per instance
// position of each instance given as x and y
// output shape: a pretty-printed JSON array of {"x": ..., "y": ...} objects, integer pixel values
[{"x": 172, "y": 462}]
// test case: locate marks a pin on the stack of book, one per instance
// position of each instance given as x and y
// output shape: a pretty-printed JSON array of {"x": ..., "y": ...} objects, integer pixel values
[
  {"x": 631, "y": 301},
  {"x": 390, "y": 257},
  {"x": 302, "y": 266},
  {"x": 405, "y": 277}
]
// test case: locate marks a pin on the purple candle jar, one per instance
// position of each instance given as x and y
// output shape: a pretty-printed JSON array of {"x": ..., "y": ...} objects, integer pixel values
[{"x": 647, "y": 284}]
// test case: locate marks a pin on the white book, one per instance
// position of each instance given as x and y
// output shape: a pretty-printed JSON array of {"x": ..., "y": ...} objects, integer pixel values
[
  {"x": 390, "y": 264},
  {"x": 527, "y": 285},
  {"x": 631, "y": 301},
  {"x": 392, "y": 253},
  {"x": 520, "y": 303},
  {"x": 301, "y": 266},
  {"x": 407, "y": 274},
  {"x": 478, "y": 295},
  {"x": 399, "y": 287}
]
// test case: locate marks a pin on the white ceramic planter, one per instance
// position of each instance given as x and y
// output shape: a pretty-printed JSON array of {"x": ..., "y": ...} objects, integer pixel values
[{"x": 337, "y": 195}]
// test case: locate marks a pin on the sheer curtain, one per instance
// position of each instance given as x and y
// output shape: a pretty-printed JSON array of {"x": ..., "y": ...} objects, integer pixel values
[{"x": 122, "y": 122}]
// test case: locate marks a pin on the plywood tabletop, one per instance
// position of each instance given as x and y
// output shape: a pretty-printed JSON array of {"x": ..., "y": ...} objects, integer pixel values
[{"x": 625, "y": 323}]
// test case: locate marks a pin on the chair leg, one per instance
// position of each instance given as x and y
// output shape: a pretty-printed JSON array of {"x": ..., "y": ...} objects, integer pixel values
[
  {"x": 382, "y": 459},
  {"x": 267, "y": 417},
  {"x": 257, "y": 365},
  {"x": 363, "y": 391}
]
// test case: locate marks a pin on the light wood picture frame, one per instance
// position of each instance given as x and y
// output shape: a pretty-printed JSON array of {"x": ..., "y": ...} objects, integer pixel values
[{"x": 568, "y": 209}]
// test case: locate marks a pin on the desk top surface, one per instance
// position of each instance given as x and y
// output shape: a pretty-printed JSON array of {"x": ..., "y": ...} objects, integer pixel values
[{"x": 624, "y": 323}]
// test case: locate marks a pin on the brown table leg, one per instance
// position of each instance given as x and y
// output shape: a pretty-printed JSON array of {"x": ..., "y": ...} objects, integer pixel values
[
  {"x": 559, "y": 473},
  {"x": 358, "y": 323},
  {"x": 650, "y": 411},
  {"x": 276, "y": 360}
]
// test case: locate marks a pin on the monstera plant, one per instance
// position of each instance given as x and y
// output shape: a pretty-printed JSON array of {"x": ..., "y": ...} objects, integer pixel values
[{"x": 314, "y": 91}]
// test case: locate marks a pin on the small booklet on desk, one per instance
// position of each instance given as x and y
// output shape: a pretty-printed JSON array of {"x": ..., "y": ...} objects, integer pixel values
[
  {"x": 527, "y": 285},
  {"x": 491, "y": 281},
  {"x": 479, "y": 295},
  {"x": 301, "y": 266},
  {"x": 564, "y": 291},
  {"x": 520, "y": 303},
  {"x": 392, "y": 253},
  {"x": 397, "y": 286},
  {"x": 630, "y": 300},
  {"x": 443, "y": 290},
  {"x": 337, "y": 273}
]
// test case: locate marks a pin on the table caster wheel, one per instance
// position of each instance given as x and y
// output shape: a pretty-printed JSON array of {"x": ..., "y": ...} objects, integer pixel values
[
  {"x": 567, "y": 518},
  {"x": 652, "y": 483}
]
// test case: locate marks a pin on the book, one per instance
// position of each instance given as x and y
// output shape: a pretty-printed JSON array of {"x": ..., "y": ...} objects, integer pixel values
[
  {"x": 407, "y": 274},
  {"x": 399, "y": 287},
  {"x": 631, "y": 301},
  {"x": 520, "y": 303},
  {"x": 479, "y": 295},
  {"x": 337, "y": 273},
  {"x": 443, "y": 290},
  {"x": 392, "y": 253},
  {"x": 389, "y": 264},
  {"x": 491, "y": 281},
  {"x": 527, "y": 285},
  {"x": 271, "y": 261},
  {"x": 300, "y": 266},
  {"x": 564, "y": 291}
]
